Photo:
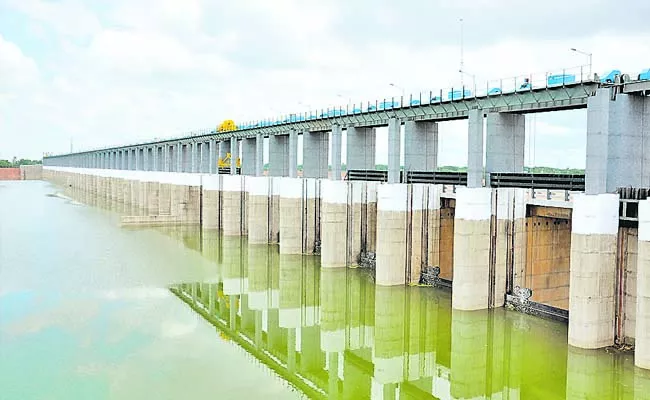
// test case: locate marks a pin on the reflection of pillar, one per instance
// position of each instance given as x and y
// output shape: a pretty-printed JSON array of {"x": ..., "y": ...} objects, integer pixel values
[
  {"x": 234, "y": 282},
  {"x": 589, "y": 374},
  {"x": 388, "y": 357},
  {"x": 290, "y": 290},
  {"x": 422, "y": 333},
  {"x": 258, "y": 277},
  {"x": 333, "y": 305},
  {"x": 469, "y": 341}
]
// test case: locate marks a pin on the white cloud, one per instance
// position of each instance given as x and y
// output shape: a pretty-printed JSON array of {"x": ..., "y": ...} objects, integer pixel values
[{"x": 66, "y": 17}]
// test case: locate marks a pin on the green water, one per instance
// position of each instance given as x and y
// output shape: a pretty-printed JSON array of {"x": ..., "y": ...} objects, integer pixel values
[{"x": 86, "y": 313}]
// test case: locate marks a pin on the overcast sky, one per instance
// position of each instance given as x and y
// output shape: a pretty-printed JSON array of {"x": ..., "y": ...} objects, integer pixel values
[{"x": 123, "y": 71}]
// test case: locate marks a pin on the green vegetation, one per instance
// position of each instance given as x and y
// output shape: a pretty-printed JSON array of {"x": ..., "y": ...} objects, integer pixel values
[{"x": 17, "y": 163}]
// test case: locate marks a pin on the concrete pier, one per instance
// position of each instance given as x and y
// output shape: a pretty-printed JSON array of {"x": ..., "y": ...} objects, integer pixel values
[
  {"x": 334, "y": 224},
  {"x": 315, "y": 150},
  {"x": 259, "y": 209},
  {"x": 420, "y": 146},
  {"x": 233, "y": 206},
  {"x": 391, "y": 234},
  {"x": 292, "y": 192},
  {"x": 211, "y": 202},
  {"x": 279, "y": 155},
  {"x": 471, "y": 283},
  {"x": 361, "y": 148},
  {"x": 592, "y": 270}
]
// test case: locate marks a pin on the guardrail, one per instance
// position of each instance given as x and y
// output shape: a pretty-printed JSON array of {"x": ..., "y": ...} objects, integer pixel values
[
  {"x": 569, "y": 182},
  {"x": 366, "y": 175},
  {"x": 437, "y": 177},
  {"x": 628, "y": 211},
  {"x": 226, "y": 171}
]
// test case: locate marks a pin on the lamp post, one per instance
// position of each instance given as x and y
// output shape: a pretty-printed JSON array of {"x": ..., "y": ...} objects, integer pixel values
[
  {"x": 473, "y": 80},
  {"x": 397, "y": 87},
  {"x": 584, "y": 53}
]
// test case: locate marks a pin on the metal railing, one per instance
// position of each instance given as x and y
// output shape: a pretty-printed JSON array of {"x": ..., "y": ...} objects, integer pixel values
[
  {"x": 569, "y": 182},
  {"x": 226, "y": 171},
  {"x": 366, "y": 175},
  {"x": 437, "y": 177}
]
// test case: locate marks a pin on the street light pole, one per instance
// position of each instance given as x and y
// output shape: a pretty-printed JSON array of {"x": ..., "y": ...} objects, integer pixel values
[
  {"x": 585, "y": 54},
  {"x": 397, "y": 87}
]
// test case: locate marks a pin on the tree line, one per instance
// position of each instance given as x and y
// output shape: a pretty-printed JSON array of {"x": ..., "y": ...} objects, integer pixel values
[{"x": 15, "y": 162}]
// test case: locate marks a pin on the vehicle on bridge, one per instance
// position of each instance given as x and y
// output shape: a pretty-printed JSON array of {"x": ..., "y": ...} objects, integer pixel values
[
  {"x": 610, "y": 77},
  {"x": 387, "y": 105},
  {"x": 644, "y": 75},
  {"x": 494, "y": 91},
  {"x": 414, "y": 102},
  {"x": 458, "y": 94},
  {"x": 560, "y": 79}
]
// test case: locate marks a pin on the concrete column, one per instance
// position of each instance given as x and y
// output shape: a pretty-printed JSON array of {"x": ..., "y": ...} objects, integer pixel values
[
  {"x": 224, "y": 148},
  {"x": 594, "y": 225},
  {"x": 156, "y": 158},
  {"x": 259, "y": 155},
  {"x": 337, "y": 145},
  {"x": 291, "y": 215},
  {"x": 420, "y": 146},
  {"x": 391, "y": 234},
  {"x": 194, "y": 159},
  {"x": 178, "y": 164},
  {"x": 334, "y": 224},
  {"x": 361, "y": 148},
  {"x": 205, "y": 157},
  {"x": 505, "y": 145},
  {"x": 258, "y": 211},
  {"x": 211, "y": 206},
  {"x": 124, "y": 159},
  {"x": 213, "y": 157},
  {"x": 393, "y": 150},
  {"x": 618, "y": 142},
  {"x": 293, "y": 154},
  {"x": 234, "y": 154},
  {"x": 249, "y": 156},
  {"x": 233, "y": 188},
  {"x": 470, "y": 285},
  {"x": 186, "y": 157},
  {"x": 278, "y": 155},
  {"x": 314, "y": 154},
  {"x": 149, "y": 159},
  {"x": 642, "y": 328}
]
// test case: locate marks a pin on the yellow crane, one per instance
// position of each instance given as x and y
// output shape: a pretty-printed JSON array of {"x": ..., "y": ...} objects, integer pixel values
[
  {"x": 226, "y": 126},
  {"x": 225, "y": 162}
]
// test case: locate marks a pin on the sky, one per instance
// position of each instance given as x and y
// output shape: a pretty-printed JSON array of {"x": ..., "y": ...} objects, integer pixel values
[{"x": 101, "y": 73}]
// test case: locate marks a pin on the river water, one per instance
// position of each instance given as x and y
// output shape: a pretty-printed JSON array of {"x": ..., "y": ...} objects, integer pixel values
[{"x": 89, "y": 310}]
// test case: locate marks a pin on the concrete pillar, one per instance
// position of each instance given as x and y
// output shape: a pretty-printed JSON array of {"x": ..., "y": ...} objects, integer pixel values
[
  {"x": 232, "y": 195},
  {"x": 291, "y": 216},
  {"x": 186, "y": 157},
  {"x": 234, "y": 155},
  {"x": 337, "y": 145},
  {"x": 213, "y": 156},
  {"x": 205, "y": 157},
  {"x": 334, "y": 224},
  {"x": 211, "y": 204},
  {"x": 470, "y": 285},
  {"x": 314, "y": 154},
  {"x": 258, "y": 212},
  {"x": 642, "y": 328},
  {"x": 618, "y": 142},
  {"x": 594, "y": 225},
  {"x": 149, "y": 159},
  {"x": 420, "y": 146},
  {"x": 293, "y": 154},
  {"x": 249, "y": 156},
  {"x": 361, "y": 148},
  {"x": 391, "y": 234},
  {"x": 195, "y": 159},
  {"x": 394, "y": 125},
  {"x": 278, "y": 155},
  {"x": 259, "y": 155},
  {"x": 505, "y": 145}
]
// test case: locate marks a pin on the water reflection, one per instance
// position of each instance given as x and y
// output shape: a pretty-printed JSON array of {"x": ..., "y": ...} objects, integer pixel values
[{"x": 334, "y": 334}]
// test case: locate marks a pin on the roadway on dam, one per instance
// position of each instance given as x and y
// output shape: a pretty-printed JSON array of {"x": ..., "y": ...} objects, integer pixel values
[{"x": 86, "y": 311}]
